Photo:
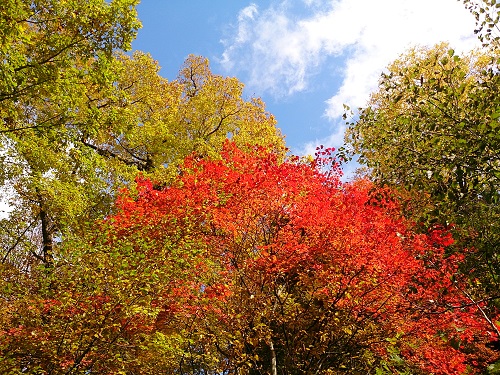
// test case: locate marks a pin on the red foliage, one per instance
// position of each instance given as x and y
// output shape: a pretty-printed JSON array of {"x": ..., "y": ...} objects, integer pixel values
[{"x": 343, "y": 253}]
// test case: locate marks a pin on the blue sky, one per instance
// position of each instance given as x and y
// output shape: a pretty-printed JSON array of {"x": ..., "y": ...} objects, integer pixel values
[{"x": 304, "y": 58}]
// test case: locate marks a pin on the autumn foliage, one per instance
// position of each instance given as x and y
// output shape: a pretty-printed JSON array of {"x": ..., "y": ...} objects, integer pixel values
[
  {"x": 238, "y": 259},
  {"x": 247, "y": 264}
]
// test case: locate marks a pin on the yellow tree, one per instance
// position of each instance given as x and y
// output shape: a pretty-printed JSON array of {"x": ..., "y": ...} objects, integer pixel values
[{"x": 155, "y": 123}]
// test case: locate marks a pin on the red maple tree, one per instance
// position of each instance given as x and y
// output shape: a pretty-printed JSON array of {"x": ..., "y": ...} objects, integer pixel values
[{"x": 298, "y": 271}]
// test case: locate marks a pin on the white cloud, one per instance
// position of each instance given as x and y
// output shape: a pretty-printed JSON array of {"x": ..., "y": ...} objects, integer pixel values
[
  {"x": 280, "y": 48},
  {"x": 273, "y": 49}
]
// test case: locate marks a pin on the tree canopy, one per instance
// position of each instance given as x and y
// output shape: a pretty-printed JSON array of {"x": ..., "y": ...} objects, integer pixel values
[
  {"x": 161, "y": 226},
  {"x": 248, "y": 264},
  {"x": 44, "y": 40}
]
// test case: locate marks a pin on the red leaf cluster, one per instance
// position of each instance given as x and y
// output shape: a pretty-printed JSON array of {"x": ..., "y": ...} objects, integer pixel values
[{"x": 291, "y": 244}]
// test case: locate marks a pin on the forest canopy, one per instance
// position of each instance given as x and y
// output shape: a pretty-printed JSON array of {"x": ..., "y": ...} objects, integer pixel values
[{"x": 162, "y": 226}]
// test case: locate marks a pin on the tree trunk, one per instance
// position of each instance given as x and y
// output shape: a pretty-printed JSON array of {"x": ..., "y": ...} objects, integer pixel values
[
  {"x": 274, "y": 370},
  {"x": 47, "y": 241}
]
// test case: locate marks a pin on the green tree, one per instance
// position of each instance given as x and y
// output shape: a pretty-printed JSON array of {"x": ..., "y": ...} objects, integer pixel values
[
  {"x": 52, "y": 53},
  {"x": 432, "y": 129},
  {"x": 42, "y": 40},
  {"x": 95, "y": 310}
]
